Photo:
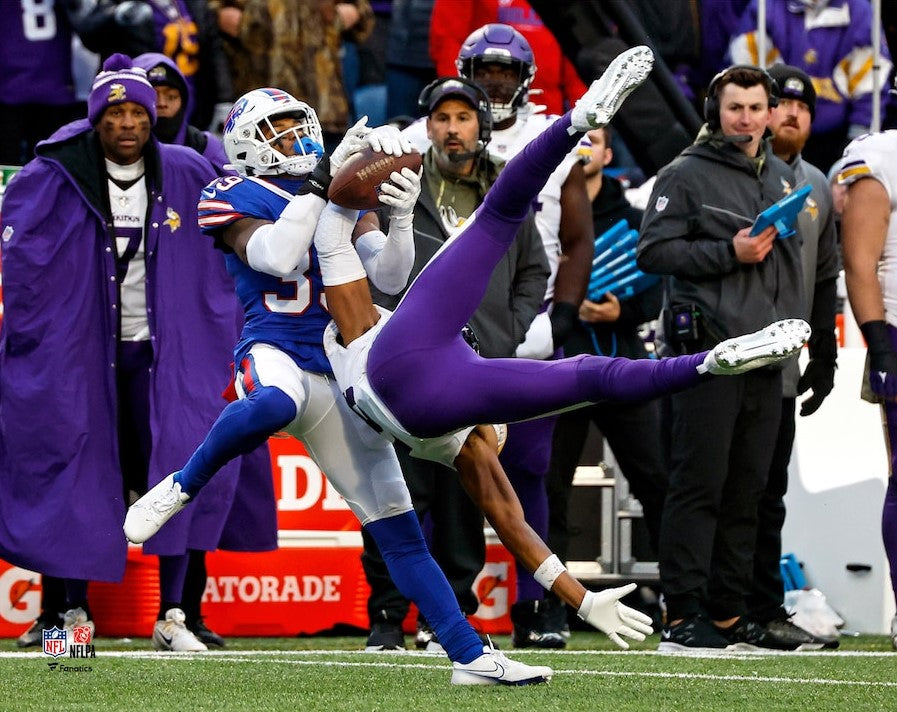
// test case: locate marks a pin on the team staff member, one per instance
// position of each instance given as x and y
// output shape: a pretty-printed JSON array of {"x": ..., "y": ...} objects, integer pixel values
[{"x": 721, "y": 282}]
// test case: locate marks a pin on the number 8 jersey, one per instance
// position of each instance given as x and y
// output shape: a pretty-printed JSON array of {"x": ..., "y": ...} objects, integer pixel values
[{"x": 289, "y": 313}]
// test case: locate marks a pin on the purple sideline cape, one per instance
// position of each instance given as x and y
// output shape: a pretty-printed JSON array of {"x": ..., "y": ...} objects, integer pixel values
[{"x": 61, "y": 501}]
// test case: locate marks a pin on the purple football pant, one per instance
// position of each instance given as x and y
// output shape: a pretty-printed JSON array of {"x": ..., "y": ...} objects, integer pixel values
[{"x": 434, "y": 383}]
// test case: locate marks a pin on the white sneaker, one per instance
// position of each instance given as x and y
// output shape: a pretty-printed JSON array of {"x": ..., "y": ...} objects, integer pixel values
[
  {"x": 602, "y": 100},
  {"x": 493, "y": 668},
  {"x": 894, "y": 632},
  {"x": 172, "y": 634},
  {"x": 776, "y": 342},
  {"x": 147, "y": 515},
  {"x": 76, "y": 617}
]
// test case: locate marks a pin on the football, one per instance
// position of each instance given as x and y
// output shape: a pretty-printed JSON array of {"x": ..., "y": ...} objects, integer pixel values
[{"x": 356, "y": 184}]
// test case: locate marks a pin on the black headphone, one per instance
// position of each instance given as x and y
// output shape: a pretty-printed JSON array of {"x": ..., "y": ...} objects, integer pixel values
[
  {"x": 711, "y": 101},
  {"x": 483, "y": 105}
]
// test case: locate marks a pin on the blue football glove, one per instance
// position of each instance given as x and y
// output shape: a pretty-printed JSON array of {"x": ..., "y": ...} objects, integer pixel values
[{"x": 882, "y": 359}]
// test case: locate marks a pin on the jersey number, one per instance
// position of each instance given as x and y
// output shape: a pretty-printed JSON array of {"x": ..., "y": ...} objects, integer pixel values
[
  {"x": 296, "y": 294},
  {"x": 38, "y": 20}
]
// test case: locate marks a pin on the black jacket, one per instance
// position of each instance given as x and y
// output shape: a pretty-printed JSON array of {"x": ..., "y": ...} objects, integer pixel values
[{"x": 700, "y": 200}]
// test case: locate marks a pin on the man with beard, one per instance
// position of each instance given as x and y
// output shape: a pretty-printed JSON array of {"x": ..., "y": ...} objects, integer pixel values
[{"x": 790, "y": 126}]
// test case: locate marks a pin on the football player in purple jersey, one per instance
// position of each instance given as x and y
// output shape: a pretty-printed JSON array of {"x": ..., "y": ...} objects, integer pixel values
[
  {"x": 265, "y": 218},
  {"x": 411, "y": 376}
]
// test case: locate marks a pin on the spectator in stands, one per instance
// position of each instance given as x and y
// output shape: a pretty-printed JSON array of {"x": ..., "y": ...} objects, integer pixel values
[
  {"x": 556, "y": 85},
  {"x": 408, "y": 65},
  {"x": 830, "y": 40},
  {"x": 295, "y": 46},
  {"x": 183, "y": 30},
  {"x": 37, "y": 91}
]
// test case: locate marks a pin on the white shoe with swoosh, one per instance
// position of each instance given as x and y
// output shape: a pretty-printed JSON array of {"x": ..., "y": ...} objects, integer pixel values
[
  {"x": 493, "y": 668},
  {"x": 171, "y": 634}
]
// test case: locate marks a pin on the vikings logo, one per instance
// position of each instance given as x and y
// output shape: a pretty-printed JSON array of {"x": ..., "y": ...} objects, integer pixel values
[
  {"x": 812, "y": 208},
  {"x": 116, "y": 93},
  {"x": 174, "y": 220}
]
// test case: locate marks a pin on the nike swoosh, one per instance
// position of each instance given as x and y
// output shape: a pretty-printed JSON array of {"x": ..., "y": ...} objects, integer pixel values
[{"x": 166, "y": 639}]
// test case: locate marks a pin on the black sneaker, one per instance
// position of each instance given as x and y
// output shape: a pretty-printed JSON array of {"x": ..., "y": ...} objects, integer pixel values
[
  {"x": 533, "y": 625},
  {"x": 205, "y": 634},
  {"x": 35, "y": 633},
  {"x": 785, "y": 630},
  {"x": 747, "y": 635},
  {"x": 426, "y": 638},
  {"x": 694, "y": 633},
  {"x": 385, "y": 636}
]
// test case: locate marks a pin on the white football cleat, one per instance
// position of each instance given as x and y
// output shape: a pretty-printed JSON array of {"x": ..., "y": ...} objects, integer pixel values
[
  {"x": 776, "y": 342},
  {"x": 147, "y": 515},
  {"x": 606, "y": 94},
  {"x": 493, "y": 668},
  {"x": 171, "y": 634}
]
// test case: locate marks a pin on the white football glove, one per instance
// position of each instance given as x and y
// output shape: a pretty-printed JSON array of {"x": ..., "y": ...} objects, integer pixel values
[
  {"x": 389, "y": 140},
  {"x": 352, "y": 143},
  {"x": 400, "y": 193},
  {"x": 604, "y": 611}
]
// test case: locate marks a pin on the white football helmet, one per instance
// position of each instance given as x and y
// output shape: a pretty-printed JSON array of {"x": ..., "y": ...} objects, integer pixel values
[{"x": 250, "y": 138}]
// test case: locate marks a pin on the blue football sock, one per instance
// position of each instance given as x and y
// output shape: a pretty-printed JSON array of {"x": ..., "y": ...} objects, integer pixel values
[
  {"x": 242, "y": 426},
  {"x": 417, "y": 576}
]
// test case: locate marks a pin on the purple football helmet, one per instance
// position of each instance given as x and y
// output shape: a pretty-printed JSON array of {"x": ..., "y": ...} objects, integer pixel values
[{"x": 502, "y": 44}]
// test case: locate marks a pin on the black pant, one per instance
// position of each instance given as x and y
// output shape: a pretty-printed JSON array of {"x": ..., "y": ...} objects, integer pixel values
[
  {"x": 766, "y": 601},
  {"x": 633, "y": 432},
  {"x": 457, "y": 542},
  {"x": 723, "y": 435}
]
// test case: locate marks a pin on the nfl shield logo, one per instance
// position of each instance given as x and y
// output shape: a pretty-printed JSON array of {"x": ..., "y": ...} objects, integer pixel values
[{"x": 55, "y": 642}]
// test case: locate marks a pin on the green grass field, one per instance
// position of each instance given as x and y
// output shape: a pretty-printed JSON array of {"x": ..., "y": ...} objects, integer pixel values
[{"x": 327, "y": 673}]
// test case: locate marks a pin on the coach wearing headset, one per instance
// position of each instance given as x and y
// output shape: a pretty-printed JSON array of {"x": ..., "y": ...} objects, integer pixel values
[
  {"x": 457, "y": 172},
  {"x": 721, "y": 281}
]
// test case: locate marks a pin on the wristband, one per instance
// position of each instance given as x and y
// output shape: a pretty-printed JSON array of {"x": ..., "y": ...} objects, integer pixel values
[
  {"x": 877, "y": 337},
  {"x": 548, "y": 571}
]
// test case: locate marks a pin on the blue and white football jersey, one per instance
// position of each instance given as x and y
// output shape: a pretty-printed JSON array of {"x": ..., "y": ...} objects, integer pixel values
[{"x": 289, "y": 313}]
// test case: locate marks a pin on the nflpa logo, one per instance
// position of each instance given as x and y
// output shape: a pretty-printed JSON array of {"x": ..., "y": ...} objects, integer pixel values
[{"x": 81, "y": 635}]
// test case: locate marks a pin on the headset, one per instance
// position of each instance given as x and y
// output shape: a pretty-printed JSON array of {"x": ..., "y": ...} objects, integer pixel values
[
  {"x": 464, "y": 87},
  {"x": 711, "y": 101}
]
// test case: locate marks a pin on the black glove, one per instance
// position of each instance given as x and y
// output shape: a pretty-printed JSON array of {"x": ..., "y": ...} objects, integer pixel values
[
  {"x": 882, "y": 359},
  {"x": 564, "y": 317},
  {"x": 819, "y": 375},
  {"x": 318, "y": 180}
]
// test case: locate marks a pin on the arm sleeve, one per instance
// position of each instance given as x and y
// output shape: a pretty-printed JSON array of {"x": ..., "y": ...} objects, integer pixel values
[
  {"x": 388, "y": 259},
  {"x": 276, "y": 248}
]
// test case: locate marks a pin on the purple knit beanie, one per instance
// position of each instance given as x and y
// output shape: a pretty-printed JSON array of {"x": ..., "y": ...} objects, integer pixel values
[{"x": 118, "y": 82}]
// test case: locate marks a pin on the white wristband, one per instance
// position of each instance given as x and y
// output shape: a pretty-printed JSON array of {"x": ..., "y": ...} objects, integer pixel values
[{"x": 548, "y": 571}]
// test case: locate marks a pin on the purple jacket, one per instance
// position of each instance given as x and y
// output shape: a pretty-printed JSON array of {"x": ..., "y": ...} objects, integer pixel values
[
  {"x": 61, "y": 500},
  {"x": 837, "y": 56}
]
